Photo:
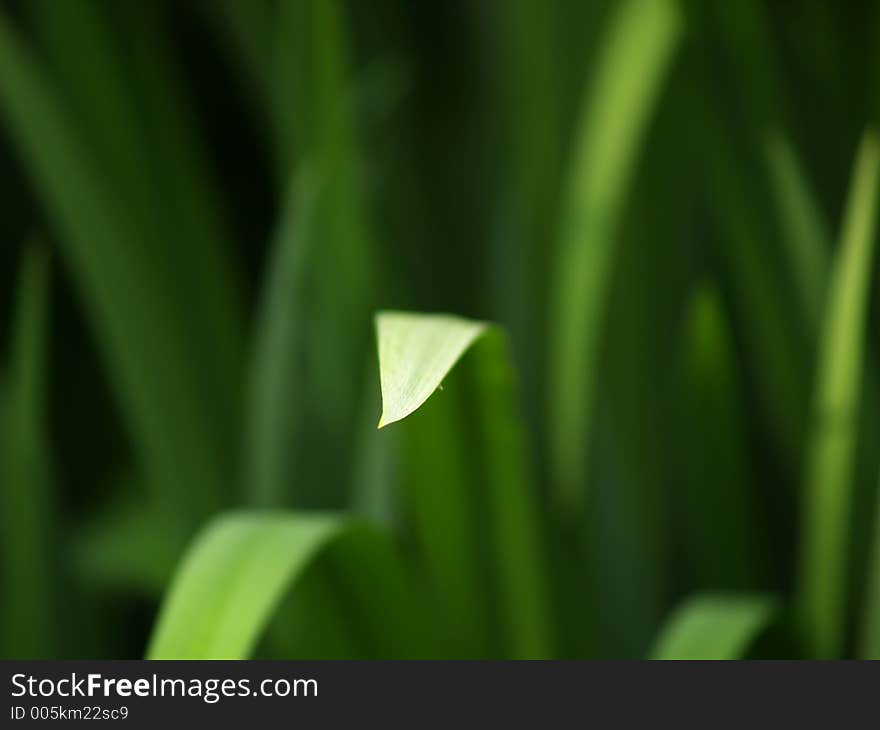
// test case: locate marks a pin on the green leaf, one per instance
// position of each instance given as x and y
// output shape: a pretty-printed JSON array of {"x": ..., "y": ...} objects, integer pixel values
[
  {"x": 512, "y": 499},
  {"x": 439, "y": 498},
  {"x": 831, "y": 454},
  {"x": 416, "y": 353},
  {"x": 718, "y": 507},
  {"x": 275, "y": 370},
  {"x": 26, "y": 499},
  {"x": 375, "y": 487},
  {"x": 238, "y": 569},
  {"x": 317, "y": 121},
  {"x": 714, "y": 626},
  {"x": 313, "y": 105},
  {"x": 532, "y": 91},
  {"x": 636, "y": 55}
]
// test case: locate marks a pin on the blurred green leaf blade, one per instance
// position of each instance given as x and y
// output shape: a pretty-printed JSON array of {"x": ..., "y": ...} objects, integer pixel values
[
  {"x": 29, "y": 629},
  {"x": 637, "y": 53},
  {"x": 831, "y": 455},
  {"x": 714, "y": 626},
  {"x": 275, "y": 369},
  {"x": 717, "y": 502},
  {"x": 236, "y": 572},
  {"x": 317, "y": 123}
]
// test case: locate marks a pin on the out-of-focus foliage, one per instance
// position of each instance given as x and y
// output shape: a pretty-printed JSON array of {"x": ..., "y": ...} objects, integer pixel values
[
  {"x": 665, "y": 444},
  {"x": 713, "y": 627}
]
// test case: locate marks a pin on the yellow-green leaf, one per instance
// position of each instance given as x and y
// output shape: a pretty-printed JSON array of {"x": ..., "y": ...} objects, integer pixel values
[
  {"x": 234, "y": 575},
  {"x": 714, "y": 627}
]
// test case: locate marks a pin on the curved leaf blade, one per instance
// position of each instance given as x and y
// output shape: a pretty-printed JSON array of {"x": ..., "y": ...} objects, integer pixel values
[
  {"x": 275, "y": 372},
  {"x": 714, "y": 627},
  {"x": 231, "y": 580},
  {"x": 235, "y": 574}
]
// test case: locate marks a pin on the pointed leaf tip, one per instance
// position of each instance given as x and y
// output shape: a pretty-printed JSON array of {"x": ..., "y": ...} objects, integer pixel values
[{"x": 416, "y": 352}]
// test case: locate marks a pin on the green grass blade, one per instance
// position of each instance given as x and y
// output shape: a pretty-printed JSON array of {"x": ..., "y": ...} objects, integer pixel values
[
  {"x": 638, "y": 49},
  {"x": 512, "y": 503},
  {"x": 532, "y": 88},
  {"x": 831, "y": 455},
  {"x": 237, "y": 571},
  {"x": 438, "y": 494},
  {"x": 231, "y": 580},
  {"x": 154, "y": 373},
  {"x": 439, "y": 502},
  {"x": 806, "y": 240},
  {"x": 712, "y": 626},
  {"x": 374, "y": 488},
  {"x": 532, "y": 94},
  {"x": 416, "y": 353},
  {"x": 717, "y": 504},
  {"x": 313, "y": 105},
  {"x": 30, "y": 339},
  {"x": 317, "y": 121},
  {"x": 745, "y": 39},
  {"x": 275, "y": 372},
  {"x": 26, "y": 503},
  {"x": 869, "y": 647}
]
